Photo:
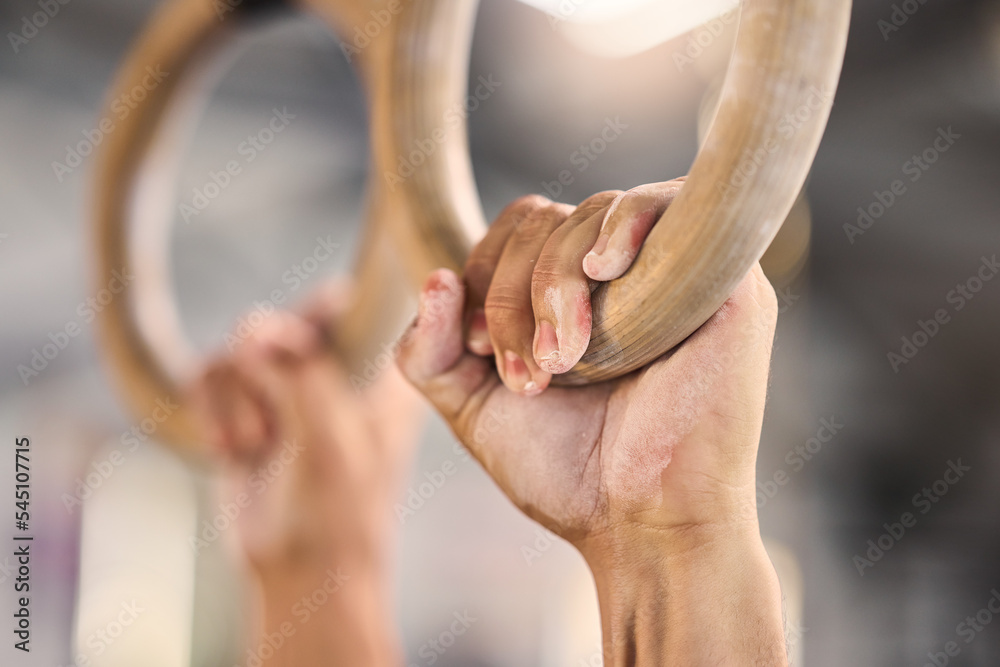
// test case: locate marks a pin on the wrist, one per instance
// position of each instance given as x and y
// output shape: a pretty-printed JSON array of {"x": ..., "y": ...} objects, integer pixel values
[
  {"x": 698, "y": 595},
  {"x": 302, "y": 552},
  {"x": 341, "y": 613},
  {"x": 293, "y": 579}
]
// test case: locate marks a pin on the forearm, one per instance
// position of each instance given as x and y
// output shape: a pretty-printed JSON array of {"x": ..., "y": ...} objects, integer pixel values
[
  {"x": 713, "y": 601},
  {"x": 334, "y": 616}
]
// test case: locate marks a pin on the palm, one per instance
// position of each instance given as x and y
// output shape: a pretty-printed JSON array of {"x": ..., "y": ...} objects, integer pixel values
[
  {"x": 656, "y": 447},
  {"x": 575, "y": 459},
  {"x": 546, "y": 452}
]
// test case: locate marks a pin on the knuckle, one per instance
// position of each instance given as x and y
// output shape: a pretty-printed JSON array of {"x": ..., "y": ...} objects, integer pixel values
[
  {"x": 536, "y": 222},
  {"x": 652, "y": 194},
  {"x": 478, "y": 271},
  {"x": 764, "y": 292},
  {"x": 595, "y": 202},
  {"x": 754, "y": 303},
  {"x": 539, "y": 223},
  {"x": 503, "y": 305},
  {"x": 547, "y": 272},
  {"x": 522, "y": 206}
]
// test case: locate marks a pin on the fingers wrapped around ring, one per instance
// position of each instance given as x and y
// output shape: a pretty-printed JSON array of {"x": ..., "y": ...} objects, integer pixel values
[
  {"x": 508, "y": 308},
  {"x": 560, "y": 290},
  {"x": 530, "y": 279},
  {"x": 629, "y": 221},
  {"x": 482, "y": 264}
]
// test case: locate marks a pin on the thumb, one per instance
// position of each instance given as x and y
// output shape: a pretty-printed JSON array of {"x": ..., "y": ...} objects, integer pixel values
[
  {"x": 627, "y": 223},
  {"x": 433, "y": 356}
]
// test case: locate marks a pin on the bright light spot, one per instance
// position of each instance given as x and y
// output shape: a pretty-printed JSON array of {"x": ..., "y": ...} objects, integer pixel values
[
  {"x": 619, "y": 28},
  {"x": 592, "y": 10}
]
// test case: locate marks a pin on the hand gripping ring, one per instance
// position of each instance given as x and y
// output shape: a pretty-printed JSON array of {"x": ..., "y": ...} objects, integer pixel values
[{"x": 774, "y": 107}]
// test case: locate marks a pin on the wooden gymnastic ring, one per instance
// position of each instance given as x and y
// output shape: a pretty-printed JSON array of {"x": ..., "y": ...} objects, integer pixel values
[
  {"x": 787, "y": 61},
  {"x": 773, "y": 109}
]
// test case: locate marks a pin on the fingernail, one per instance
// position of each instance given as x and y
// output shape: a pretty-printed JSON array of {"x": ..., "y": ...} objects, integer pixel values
[
  {"x": 600, "y": 246},
  {"x": 433, "y": 298},
  {"x": 516, "y": 374},
  {"x": 547, "y": 347},
  {"x": 594, "y": 260},
  {"x": 479, "y": 335}
]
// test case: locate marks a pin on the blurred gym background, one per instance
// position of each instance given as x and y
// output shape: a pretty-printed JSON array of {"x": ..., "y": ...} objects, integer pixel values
[{"x": 852, "y": 437}]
